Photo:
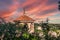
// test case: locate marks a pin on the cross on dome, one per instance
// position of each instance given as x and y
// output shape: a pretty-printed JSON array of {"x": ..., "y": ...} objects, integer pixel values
[{"x": 24, "y": 11}]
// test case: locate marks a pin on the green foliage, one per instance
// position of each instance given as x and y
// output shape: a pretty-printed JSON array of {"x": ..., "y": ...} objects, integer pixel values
[
  {"x": 9, "y": 31},
  {"x": 25, "y": 35}
]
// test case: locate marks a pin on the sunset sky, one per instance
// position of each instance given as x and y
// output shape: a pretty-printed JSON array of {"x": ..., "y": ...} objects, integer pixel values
[{"x": 36, "y": 9}]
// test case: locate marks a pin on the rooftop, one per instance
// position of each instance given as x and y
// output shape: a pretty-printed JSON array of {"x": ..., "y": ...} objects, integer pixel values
[{"x": 25, "y": 18}]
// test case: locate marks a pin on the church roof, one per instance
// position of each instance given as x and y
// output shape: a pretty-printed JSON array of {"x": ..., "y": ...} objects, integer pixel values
[{"x": 24, "y": 18}]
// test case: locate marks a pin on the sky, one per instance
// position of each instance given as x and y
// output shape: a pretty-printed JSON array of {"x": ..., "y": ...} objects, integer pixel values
[{"x": 36, "y": 9}]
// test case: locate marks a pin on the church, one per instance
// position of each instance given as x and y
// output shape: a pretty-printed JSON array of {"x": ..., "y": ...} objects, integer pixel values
[{"x": 24, "y": 19}]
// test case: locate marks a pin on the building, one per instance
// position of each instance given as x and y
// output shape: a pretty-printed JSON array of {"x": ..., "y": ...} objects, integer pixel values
[{"x": 24, "y": 19}]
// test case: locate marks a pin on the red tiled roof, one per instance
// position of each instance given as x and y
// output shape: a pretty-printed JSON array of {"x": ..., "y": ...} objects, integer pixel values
[{"x": 24, "y": 18}]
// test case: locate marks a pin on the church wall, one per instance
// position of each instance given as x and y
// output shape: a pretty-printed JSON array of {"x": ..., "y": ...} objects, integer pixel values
[{"x": 31, "y": 27}]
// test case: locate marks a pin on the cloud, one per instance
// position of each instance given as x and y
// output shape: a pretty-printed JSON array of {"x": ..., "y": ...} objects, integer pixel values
[
  {"x": 34, "y": 8},
  {"x": 10, "y": 8}
]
